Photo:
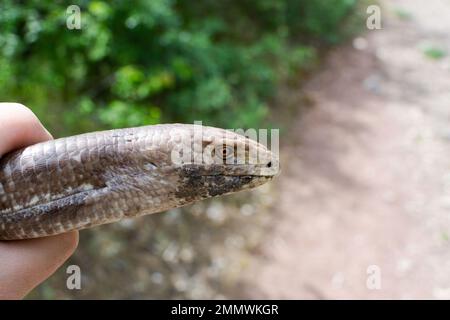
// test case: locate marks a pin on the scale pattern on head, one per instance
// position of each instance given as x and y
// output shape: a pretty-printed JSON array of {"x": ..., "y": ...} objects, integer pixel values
[{"x": 211, "y": 162}]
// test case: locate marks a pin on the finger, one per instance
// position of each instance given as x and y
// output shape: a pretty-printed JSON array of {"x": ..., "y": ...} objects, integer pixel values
[
  {"x": 27, "y": 263},
  {"x": 19, "y": 127},
  {"x": 24, "y": 264}
]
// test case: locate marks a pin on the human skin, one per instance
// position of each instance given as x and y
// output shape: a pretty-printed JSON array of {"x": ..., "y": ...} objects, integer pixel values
[{"x": 25, "y": 264}]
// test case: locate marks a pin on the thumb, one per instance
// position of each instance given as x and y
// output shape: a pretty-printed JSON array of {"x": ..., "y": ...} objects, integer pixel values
[{"x": 24, "y": 264}]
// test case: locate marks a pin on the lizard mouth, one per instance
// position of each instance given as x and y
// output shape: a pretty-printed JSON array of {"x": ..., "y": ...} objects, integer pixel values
[
  {"x": 244, "y": 173},
  {"x": 269, "y": 176}
]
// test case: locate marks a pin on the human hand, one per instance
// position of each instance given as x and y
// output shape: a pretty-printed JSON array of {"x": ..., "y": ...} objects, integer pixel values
[{"x": 26, "y": 263}]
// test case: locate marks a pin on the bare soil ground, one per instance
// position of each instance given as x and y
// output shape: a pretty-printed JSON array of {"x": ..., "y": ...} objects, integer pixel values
[{"x": 366, "y": 177}]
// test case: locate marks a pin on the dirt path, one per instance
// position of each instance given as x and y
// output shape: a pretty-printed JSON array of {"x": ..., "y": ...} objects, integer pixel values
[{"x": 366, "y": 177}]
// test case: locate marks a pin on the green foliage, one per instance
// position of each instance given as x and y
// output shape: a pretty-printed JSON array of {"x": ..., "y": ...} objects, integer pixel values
[
  {"x": 403, "y": 14},
  {"x": 434, "y": 53},
  {"x": 151, "y": 61},
  {"x": 322, "y": 19}
]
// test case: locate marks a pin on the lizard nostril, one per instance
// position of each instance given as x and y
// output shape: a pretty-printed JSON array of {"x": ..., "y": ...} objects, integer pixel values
[{"x": 269, "y": 165}]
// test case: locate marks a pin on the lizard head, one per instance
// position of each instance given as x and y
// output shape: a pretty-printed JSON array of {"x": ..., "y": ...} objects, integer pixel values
[{"x": 216, "y": 162}]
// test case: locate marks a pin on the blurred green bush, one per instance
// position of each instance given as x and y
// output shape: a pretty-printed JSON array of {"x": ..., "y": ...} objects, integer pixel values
[{"x": 151, "y": 61}]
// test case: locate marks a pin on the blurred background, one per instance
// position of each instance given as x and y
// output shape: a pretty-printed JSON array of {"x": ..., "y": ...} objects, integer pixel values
[{"x": 363, "y": 135}]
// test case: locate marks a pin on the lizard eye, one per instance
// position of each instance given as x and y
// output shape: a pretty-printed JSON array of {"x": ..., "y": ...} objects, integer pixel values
[
  {"x": 150, "y": 166},
  {"x": 225, "y": 152}
]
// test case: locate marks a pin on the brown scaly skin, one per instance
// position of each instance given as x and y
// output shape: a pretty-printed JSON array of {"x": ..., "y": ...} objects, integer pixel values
[{"x": 101, "y": 177}]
